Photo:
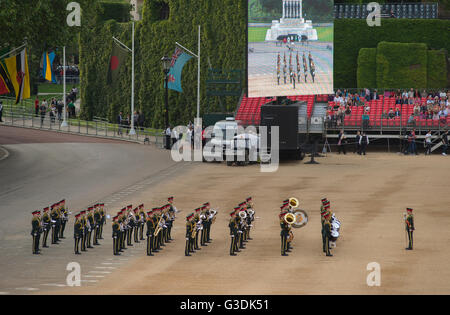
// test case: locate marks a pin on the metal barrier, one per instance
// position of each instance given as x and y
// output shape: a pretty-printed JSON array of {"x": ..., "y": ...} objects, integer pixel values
[{"x": 25, "y": 116}]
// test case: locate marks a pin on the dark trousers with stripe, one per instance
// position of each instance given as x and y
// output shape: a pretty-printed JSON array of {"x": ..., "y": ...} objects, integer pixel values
[
  {"x": 283, "y": 244},
  {"x": 410, "y": 239},
  {"x": 83, "y": 241},
  {"x": 77, "y": 245},
  {"x": 44, "y": 238},
  {"x": 149, "y": 244},
  {"x": 116, "y": 245},
  {"x": 36, "y": 237},
  {"x": 232, "y": 245}
]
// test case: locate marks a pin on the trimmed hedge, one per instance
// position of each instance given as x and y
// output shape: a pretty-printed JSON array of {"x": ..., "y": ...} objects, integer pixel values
[
  {"x": 350, "y": 35},
  {"x": 367, "y": 68},
  {"x": 437, "y": 69},
  {"x": 222, "y": 42},
  {"x": 401, "y": 65}
]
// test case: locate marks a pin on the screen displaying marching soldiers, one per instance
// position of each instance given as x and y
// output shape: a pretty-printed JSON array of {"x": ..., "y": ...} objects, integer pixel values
[{"x": 288, "y": 52}]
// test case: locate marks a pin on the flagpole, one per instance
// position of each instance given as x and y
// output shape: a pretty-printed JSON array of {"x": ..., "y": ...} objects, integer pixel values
[
  {"x": 9, "y": 53},
  {"x": 132, "y": 131},
  {"x": 198, "y": 79},
  {"x": 64, "y": 123}
]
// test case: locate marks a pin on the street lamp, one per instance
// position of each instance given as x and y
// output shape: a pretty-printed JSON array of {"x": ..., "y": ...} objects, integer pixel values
[{"x": 165, "y": 61}]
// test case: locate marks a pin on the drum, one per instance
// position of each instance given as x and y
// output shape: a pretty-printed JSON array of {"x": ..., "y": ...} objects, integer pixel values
[{"x": 301, "y": 218}]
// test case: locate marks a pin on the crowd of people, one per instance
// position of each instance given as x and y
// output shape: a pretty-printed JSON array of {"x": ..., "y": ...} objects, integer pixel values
[
  {"x": 125, "y": 122},
  {"x": 55, "y": 107},
  {"x": 427, "y": 105}
]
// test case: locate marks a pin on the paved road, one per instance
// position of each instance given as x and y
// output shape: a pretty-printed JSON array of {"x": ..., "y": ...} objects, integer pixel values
[{"x": 44, "y": 167}]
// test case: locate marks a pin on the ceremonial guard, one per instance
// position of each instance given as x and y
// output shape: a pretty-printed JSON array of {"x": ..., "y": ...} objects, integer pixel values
[
  {"x": 155, "y": 219},
  {"x": 36, "y": 231},
  {"x": 285, "y": 229},
  {"x": 323, "y": 211},
  {"x": 233, "y": 232},
  {"x": 305, "y": 68},
  {"x": 129, "y": 224},
  {"x": 123, "y": 231},
  {"x": 312, "y": 69},
  {"x": 46, "y": 224},
  {"x": 102, "y": 220},
  {"x": 64, "y": 216},
  {"x": 150, "y": 230},
  {"x": 409, "y": 221},
  {"x": 250, "y": 216},
  {"x": 85, "y": 229},
  {"x": 198, "y": 226},
  {"x": 189, "y": 231},
  {"x": 210, "y": 217},
  {"x": 77, "y": 233},
  {"x": 98, "y": 222},
  {"x": 116, "y": 236},
  {"x": 327, "y": 232},
  {"x": 142, "y": 220},
  {"x": 54, "y": 213},
  {"x": 135, "y": 224},
  {"x": 91, "y": 226},
  {"x": 172, "y": 213}
]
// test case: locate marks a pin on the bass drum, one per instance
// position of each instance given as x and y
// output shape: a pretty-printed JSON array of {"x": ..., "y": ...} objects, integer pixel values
[{"x": 301, "y": 218}]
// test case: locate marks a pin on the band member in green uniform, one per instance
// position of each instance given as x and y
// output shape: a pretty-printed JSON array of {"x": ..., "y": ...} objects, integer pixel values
[
  {"x": 77, "y": 233},
  {"x": 284, "y": 231},
  {"x": 409, "y": 221},
  {"x": 91, "y": 226},
  {"x": 150, "y": 231},
  {"x": 155, "y": 220},
  {"x": 115, "y": 235},
  {"x": 64, "y": 217},
  {"x": 102, "y": 221},
  {"x": 83, "y": 230},
  {"x": 135, "y": 218},
  {"x": 97, "y": 222},
  {"x": 46, "y": 224},
  {"x": 142, "y": 220},
  {"x": 189, "y": 227},
  {"x": 327, "y": 232},
  {"x": 55, "y": 224},
  {"x": 36, "y": 231},
  {"x": 233, "y": 232}
]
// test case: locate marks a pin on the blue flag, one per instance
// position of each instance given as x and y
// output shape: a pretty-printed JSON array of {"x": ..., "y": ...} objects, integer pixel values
[
  {"x": 179, "y": 59},
  {"x": 47, "y": 72}
]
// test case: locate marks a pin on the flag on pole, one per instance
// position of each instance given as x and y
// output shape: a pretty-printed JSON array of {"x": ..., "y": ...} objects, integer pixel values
[
  {"x": 116, "y": 61},
  {"x": 47, "y": 72},
  {"x": 17, "y": 68},
  {"x": 5, "y": 83},
  {"x": 179, "y": 59}
]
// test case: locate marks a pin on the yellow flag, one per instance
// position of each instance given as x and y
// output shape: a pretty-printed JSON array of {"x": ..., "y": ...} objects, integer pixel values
[{"x": 17, "y": 67}]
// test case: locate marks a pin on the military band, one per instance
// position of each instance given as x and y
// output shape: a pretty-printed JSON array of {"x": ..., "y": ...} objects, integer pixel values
[
  {"x": 240, "y": 223},
  {"x": 46, "y": 225},
  {"x": 77, "y": 234}
]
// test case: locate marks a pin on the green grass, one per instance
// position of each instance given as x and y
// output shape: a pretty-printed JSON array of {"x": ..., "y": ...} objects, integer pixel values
[
  {"x": 55, "y": 88},
  {"x": 258, "y": 34}
]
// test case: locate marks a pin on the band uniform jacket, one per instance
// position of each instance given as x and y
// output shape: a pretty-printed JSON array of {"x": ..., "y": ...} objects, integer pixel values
[
  {"x": 189, "y": 226},
  {"x": 46, "y": 221},
  {"x": 150, "y": 226},
  {"x": 409, "y": 223},
  {"x": 284, "y": 228},
  {"x": 115, "y": 229},
  {"x": 78, "y": 229},
  {"x": 35, "y": 226}
]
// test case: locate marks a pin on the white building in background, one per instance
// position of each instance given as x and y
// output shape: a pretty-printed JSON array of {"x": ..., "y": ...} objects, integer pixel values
[{"x": 291, "y": 22}]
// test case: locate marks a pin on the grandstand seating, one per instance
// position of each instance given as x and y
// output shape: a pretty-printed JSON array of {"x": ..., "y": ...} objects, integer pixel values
[
  {"x": 377, "y": 107},
  {"x": 249, "y": 111}
]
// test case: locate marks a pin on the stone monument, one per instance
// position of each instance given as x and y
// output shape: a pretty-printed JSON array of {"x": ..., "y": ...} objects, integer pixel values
[{"x": 291, "y": 22}]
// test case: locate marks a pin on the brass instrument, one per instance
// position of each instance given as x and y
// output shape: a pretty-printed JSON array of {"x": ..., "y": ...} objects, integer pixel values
[
  {"x": 242, "y": 215},
  {"x": 289, "y": 218},
  {"x": 293, "y": 203},
  {"x": 159, "y": 225},
  {"x": 290, "y": 237}
]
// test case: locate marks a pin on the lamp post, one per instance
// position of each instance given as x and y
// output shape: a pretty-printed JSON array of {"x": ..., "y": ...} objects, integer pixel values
[{"x": 165, "y": 61}]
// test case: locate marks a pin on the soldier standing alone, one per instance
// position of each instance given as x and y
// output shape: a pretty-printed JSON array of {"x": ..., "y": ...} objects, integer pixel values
[{"x": 409, "y": 221}]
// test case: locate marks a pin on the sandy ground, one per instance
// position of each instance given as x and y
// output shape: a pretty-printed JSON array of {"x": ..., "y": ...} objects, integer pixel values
[{"x": 368, "y": 194}]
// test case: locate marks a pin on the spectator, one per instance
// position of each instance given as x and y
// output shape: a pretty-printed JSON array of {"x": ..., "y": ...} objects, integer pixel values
[
  {"x": 411, "y": 120},
  {"x": 341, "y": 142},
  {"x": 416, "y": 110},
  {"x": 43, "y": 110},
  {"x": 363, "y": 143},
  {"x": 385, "y": 114},
  {"x": 136, "y": 119},
  {"x": 168, "y": 134},
  {"x": 59, "y": 108},
  {"x": 365, "y": 120},
  {"x": 36, "y": 107},
  {"x": 357, "y": 142},
  {"x": 119, "y": 121},
  {"x": 412, "y": 142},
  {"x": 141, "y": 121},
  {"x": 397, "y": 112},
  {"x": 391, "y": 114},
  {"x": 444, "y": 139},
  {"x": 71, "y": 109},
  {"x": 428, "y": 143},
  {"x": 348, "y": 111},
  {"x": 1, "y": 110}
]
